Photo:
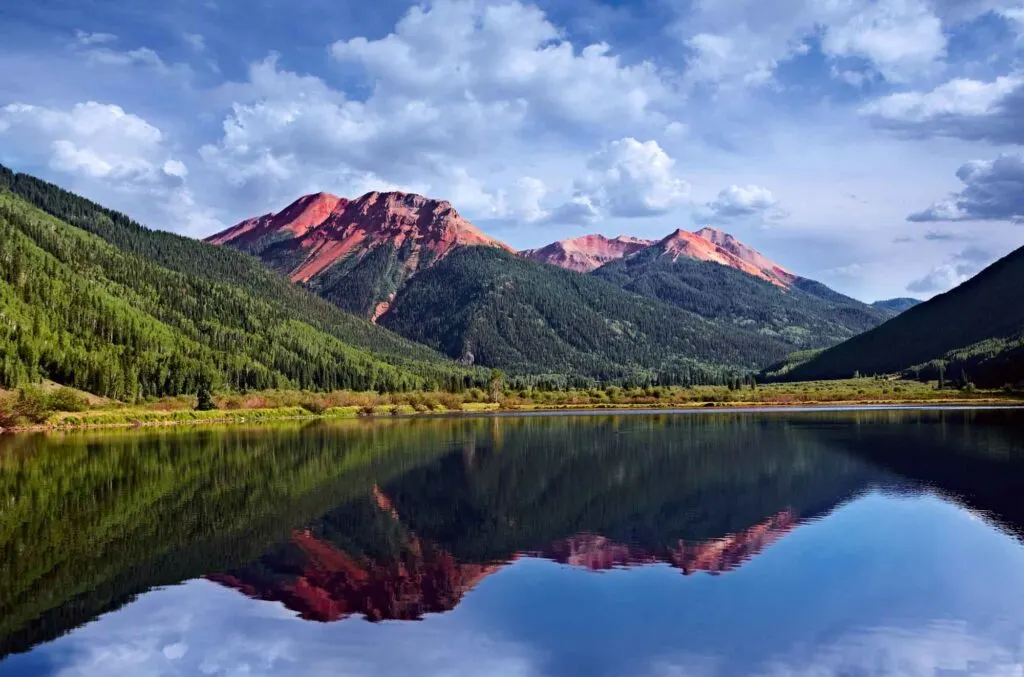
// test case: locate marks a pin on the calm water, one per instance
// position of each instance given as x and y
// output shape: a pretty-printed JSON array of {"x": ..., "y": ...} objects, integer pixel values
[{"x": 858, "y": 543}]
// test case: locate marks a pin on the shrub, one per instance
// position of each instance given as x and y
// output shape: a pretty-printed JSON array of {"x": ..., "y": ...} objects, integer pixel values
[
  {"x": 314, "y": 407},
  {"x": 31, "y": 405},
  {"x": 67, "y": 399}
]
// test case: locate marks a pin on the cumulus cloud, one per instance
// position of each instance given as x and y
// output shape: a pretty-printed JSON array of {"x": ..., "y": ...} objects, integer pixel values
[
  {"x": 579, "y": 210},
  {"x": 456, "y": 81},
  {"x": 626, "y": 178},
  {"x": 739, "y": 202},
  {"x": 994, "y": 191},
  {"x": 960, "y": 267},
  {"x": 93, "y": 139},
  {"x": 457, "y": 52},
  {"x": 112, "y": 155},
  {"x": 897, "y": 38},
  {"x": 961, "y": 108}
]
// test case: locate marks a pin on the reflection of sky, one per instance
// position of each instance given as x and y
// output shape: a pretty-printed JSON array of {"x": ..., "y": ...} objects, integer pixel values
[{"x": 884, "y": 586}]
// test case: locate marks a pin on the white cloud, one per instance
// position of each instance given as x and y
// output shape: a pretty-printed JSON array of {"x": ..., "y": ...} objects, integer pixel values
[
  {"x": 113, "y": 155},
  {"x": 962, "y": 108},
  {"x": 579, "y": 210},
  {"x": 628, "y": 178},
  {"x": 1014, "y": 16},
  {"x": 738, "y": 202},
  {"x": 899, "y": 37},
  {"x": 743, "y": 41},
  {"x": 994, "y": 191},
  {"x": 85, "y": 38},
  {"x": 456, "y": 88},
  {"x": 93, "y": 139},
  {"x": 959, "y": 268},
  {"x": 456, "y": 53}
]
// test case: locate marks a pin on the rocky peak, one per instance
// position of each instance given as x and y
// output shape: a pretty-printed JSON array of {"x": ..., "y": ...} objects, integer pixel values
[
  {"x": 711, "y": 244},
  {"x": 588, "y": 252},
  {"x": 295, "y": 220}
]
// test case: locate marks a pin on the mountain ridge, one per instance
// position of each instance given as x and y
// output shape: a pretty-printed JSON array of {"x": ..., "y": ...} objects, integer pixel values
[
  {"x": 975, "y": 330},
  {"x": 588, "y": 252}
]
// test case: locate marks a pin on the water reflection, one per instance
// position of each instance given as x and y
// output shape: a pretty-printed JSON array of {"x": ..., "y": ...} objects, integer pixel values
[{"x": 815, "y": 521}]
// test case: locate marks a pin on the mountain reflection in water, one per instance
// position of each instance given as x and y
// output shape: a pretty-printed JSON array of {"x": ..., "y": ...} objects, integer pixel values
[{"x": 396, "y": 520}]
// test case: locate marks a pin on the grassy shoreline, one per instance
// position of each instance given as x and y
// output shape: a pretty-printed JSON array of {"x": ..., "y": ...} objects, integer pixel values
[{"x": 832, "y": 394}]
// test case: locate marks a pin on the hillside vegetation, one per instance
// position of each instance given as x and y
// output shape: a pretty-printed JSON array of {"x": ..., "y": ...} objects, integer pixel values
[
  {"x": 974, "y": 330},
  {"x": 529, "y": 317},
  {"x": 808, "y": 315},
  {"x": 110, "y": 307}
]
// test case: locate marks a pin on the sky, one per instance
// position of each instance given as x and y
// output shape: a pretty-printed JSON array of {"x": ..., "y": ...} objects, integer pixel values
[{"x": 873, "y": 145}]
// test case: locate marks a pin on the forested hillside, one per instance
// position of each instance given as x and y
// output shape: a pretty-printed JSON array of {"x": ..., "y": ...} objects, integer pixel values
[
  {"x": 530, "y": 317},
  {"x": 141, "y": 312},
  {"x": 897, "y": 305},
  {"x": 806, "y": 315},
  {"x": 975, "y": 330}
]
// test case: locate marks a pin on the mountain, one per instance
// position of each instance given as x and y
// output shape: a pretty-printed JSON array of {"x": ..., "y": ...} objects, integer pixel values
[
  {"x": 93, "y": 300},
  {"x": 977, "y": 330},
  {"x": 897, "y": 305},
  {"x": 733, "y": 284},
  {"x": 356, "y": 253},
  {"x": 584, "y": 254},
  {"x": 526, "y": 317}
]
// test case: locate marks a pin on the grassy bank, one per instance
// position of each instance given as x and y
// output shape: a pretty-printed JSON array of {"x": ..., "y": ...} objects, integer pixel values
[{"x": 54, "y": 407}]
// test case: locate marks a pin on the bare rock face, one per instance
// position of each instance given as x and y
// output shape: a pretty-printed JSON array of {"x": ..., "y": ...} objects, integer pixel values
[{"x": 587, "y": 253}]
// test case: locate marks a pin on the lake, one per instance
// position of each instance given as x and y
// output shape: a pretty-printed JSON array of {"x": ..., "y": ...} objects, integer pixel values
[{"x": 722, "y": 543}]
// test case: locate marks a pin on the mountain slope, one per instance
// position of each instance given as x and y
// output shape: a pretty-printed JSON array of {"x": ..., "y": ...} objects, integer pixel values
[
  {"x": 584, "y": 254},
  {"x": 150, "y": 313},
  {"x": 986, "y": 308},
  {"x": 520, "y": 315},
  {"x": 751, "y": 292},
  {"x": 356, "y": 253}
]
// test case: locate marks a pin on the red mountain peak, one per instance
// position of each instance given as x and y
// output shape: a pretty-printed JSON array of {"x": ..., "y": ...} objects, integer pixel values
[
  {"x": 711, "y": 244},
  {"x": 295, "y": 220},
  {"x": 584, "y": 254},
  {"x": 747, "y": 254}
]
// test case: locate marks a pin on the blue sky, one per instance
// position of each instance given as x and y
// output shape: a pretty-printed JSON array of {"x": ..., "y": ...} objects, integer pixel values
[{"x": 873, "y": 145}]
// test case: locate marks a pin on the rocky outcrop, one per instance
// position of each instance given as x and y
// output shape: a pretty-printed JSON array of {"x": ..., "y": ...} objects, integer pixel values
[{"x": 587, "y": 253}]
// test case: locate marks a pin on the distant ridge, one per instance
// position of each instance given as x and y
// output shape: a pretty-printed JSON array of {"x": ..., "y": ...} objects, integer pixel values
[
  {"x": 587, "y": 253},
  {"x": 897, "y": 305}
]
